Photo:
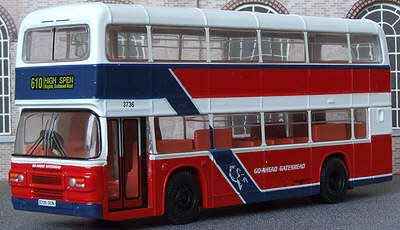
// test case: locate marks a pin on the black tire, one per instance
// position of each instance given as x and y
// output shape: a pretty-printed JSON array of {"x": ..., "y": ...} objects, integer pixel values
[
  {"x": 182, "y": 198},
  {"x": 334, "y": 181}
]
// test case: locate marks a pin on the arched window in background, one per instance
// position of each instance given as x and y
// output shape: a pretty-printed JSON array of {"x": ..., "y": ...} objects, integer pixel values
[
  {"x": 5, "y": 110},
  {"x": 388, "y": 17},
  {"x": 260, "y": 8}
]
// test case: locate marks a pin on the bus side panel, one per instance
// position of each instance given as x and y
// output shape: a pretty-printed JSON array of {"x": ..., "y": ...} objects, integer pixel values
[
  {"x": 319, "y": 154},
  {"x": 254, "y": 163},
  {"x": 381, "y": 155},
  {"x": 380, "y": 80},
  {"x": 295, "y": 82},
  {"x": 361, "y": 80},
  {"x": 222, "y": 192},
  {"x": 195, "y": 80},
  {"x": 339, "y": 81},
  {"x": 278, "y": 168},
  {"x": 362, "y": 160},
  {"x": 242, "y": 82},
  {"x": 216, "y": 191},
  {"x": 211, "y": 83}
]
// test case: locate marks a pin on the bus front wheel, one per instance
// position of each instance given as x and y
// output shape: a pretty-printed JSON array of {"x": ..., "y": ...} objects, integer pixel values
[
  {"x": 182, "y": 198},
  {"x": 334, "y": 181}
]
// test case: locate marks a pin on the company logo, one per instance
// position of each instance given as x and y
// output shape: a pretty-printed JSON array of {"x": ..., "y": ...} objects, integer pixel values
[{"x": 237, "y": 176}]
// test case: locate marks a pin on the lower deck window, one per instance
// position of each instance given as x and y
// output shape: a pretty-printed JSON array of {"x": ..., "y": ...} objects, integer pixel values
[
  {"x": 331, "y": 125},
  {"x": 237, "y": 130},
  {"x": 182, "y": 134},
  {"x": 286, "y": 128},
  {"x": 360, "y": 123}
]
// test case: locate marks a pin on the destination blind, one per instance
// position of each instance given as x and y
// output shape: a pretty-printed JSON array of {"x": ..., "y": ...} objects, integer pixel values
[{"x": 52, "y": 82}]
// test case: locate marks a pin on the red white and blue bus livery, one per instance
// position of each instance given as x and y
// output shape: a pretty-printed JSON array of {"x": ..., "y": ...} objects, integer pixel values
[{"x": 130, "y": 111}]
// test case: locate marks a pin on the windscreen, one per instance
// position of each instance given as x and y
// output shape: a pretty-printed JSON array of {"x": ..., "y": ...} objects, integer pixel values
[{"x": 58, "y": 134}]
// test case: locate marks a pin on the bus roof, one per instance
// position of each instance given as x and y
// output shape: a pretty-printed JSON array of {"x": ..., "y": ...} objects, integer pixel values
[{"x": 99, "y": 13}]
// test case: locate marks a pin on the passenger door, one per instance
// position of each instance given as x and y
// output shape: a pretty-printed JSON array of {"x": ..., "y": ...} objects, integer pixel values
[{"x": 126, "y": 163}]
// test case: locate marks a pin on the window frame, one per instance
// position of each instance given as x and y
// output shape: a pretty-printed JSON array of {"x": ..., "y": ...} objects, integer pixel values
[
  {"x": 99, "y": 133},
  {"x": 184, "y": 119},
  {"x": 177, "y": 29},
  {"x": 236, "y": 31},
  {"x": 320, "y": 61},
  {"x": 379, "y": 57},
  {"x": 305, "y": 45},
  {"x": 133, "y": 26},
  {"x": 349, "y": 122},
  {"x": 253, "y": 6},
  {"x": 287, "y": 123},
  {"x": 6, "y": 114},
  {"x": 53, "y": 31}
]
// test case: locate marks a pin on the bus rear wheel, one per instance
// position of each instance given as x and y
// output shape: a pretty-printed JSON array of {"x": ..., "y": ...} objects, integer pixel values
[
  {"x": 334, "y": 181},
  {"x": 182, "y": 198}
]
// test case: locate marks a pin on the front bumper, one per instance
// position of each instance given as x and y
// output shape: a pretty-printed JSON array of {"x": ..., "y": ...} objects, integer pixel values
[{"x": 61, "y": 208}]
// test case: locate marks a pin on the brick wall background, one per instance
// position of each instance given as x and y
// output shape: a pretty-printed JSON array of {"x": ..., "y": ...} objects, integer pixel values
[{"x": 12, "y": 12}]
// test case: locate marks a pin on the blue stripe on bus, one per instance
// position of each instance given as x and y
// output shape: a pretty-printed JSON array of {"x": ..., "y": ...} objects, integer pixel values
[
  {"x": 108, "y": 82},
  {"x": 85, "y": 85},
  {"x": 62, "y": 208},
  {"x": 240, "y": 179},
  {"x": 237, "y": 175},
  {"x": 368, "y": 181}
]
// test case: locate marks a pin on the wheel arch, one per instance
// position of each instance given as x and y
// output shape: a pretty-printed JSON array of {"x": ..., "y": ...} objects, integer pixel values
[
  {"x": 340, "y": 155},
  {"x": 200, "y": 180}
]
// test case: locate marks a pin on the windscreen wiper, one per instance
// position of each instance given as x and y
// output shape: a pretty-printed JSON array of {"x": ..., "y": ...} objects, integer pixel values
[
  {"x": 47, "y": 143},
  {"x": 37, "y": 143},
  {"x": 57, "y": 143},
  {"x": 41, "y": 139}
]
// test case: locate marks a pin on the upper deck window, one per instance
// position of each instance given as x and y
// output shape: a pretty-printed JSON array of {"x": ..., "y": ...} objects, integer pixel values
[
  {"x": 38, "y": 45},
  {"x": 53, "y": 44},
  {"x": 283, "y": 46},
  {"x": 233, "y": 46},
  {"x": 183, "y": 44},
  {"x": 365, "y": 48},
  {"x": 127, "y": 43},
  {"x": 328, "y": 48}
]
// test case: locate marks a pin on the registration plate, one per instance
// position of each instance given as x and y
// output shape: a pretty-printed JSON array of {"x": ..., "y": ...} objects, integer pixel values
[{"x": 47, "y": 203}]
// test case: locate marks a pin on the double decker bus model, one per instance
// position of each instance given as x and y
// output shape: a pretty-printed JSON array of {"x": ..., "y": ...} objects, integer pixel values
[{"x": 130, "y": 111}]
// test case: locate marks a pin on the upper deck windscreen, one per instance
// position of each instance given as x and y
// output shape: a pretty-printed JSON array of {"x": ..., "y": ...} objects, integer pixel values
[{"x": 56, "y": 44}]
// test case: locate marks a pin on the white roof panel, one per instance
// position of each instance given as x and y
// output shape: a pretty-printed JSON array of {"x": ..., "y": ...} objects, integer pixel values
[
  {"x": 176, "y": 16},
  {"x": 88, "y": 12},
  {"x": 136, "y": 14},
  {"x": 280, "y": 22},
  {"x": 230, "y": 19},
  {"x": 324, "y": 24},
  {"x": 362, "y": 26},
  {"x": 128, "y": 14}
]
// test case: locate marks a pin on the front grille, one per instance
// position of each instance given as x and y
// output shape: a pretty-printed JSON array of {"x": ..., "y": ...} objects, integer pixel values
[
  {"x": 41, "y": 193},
  {"x": 48, "y": 179}
]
